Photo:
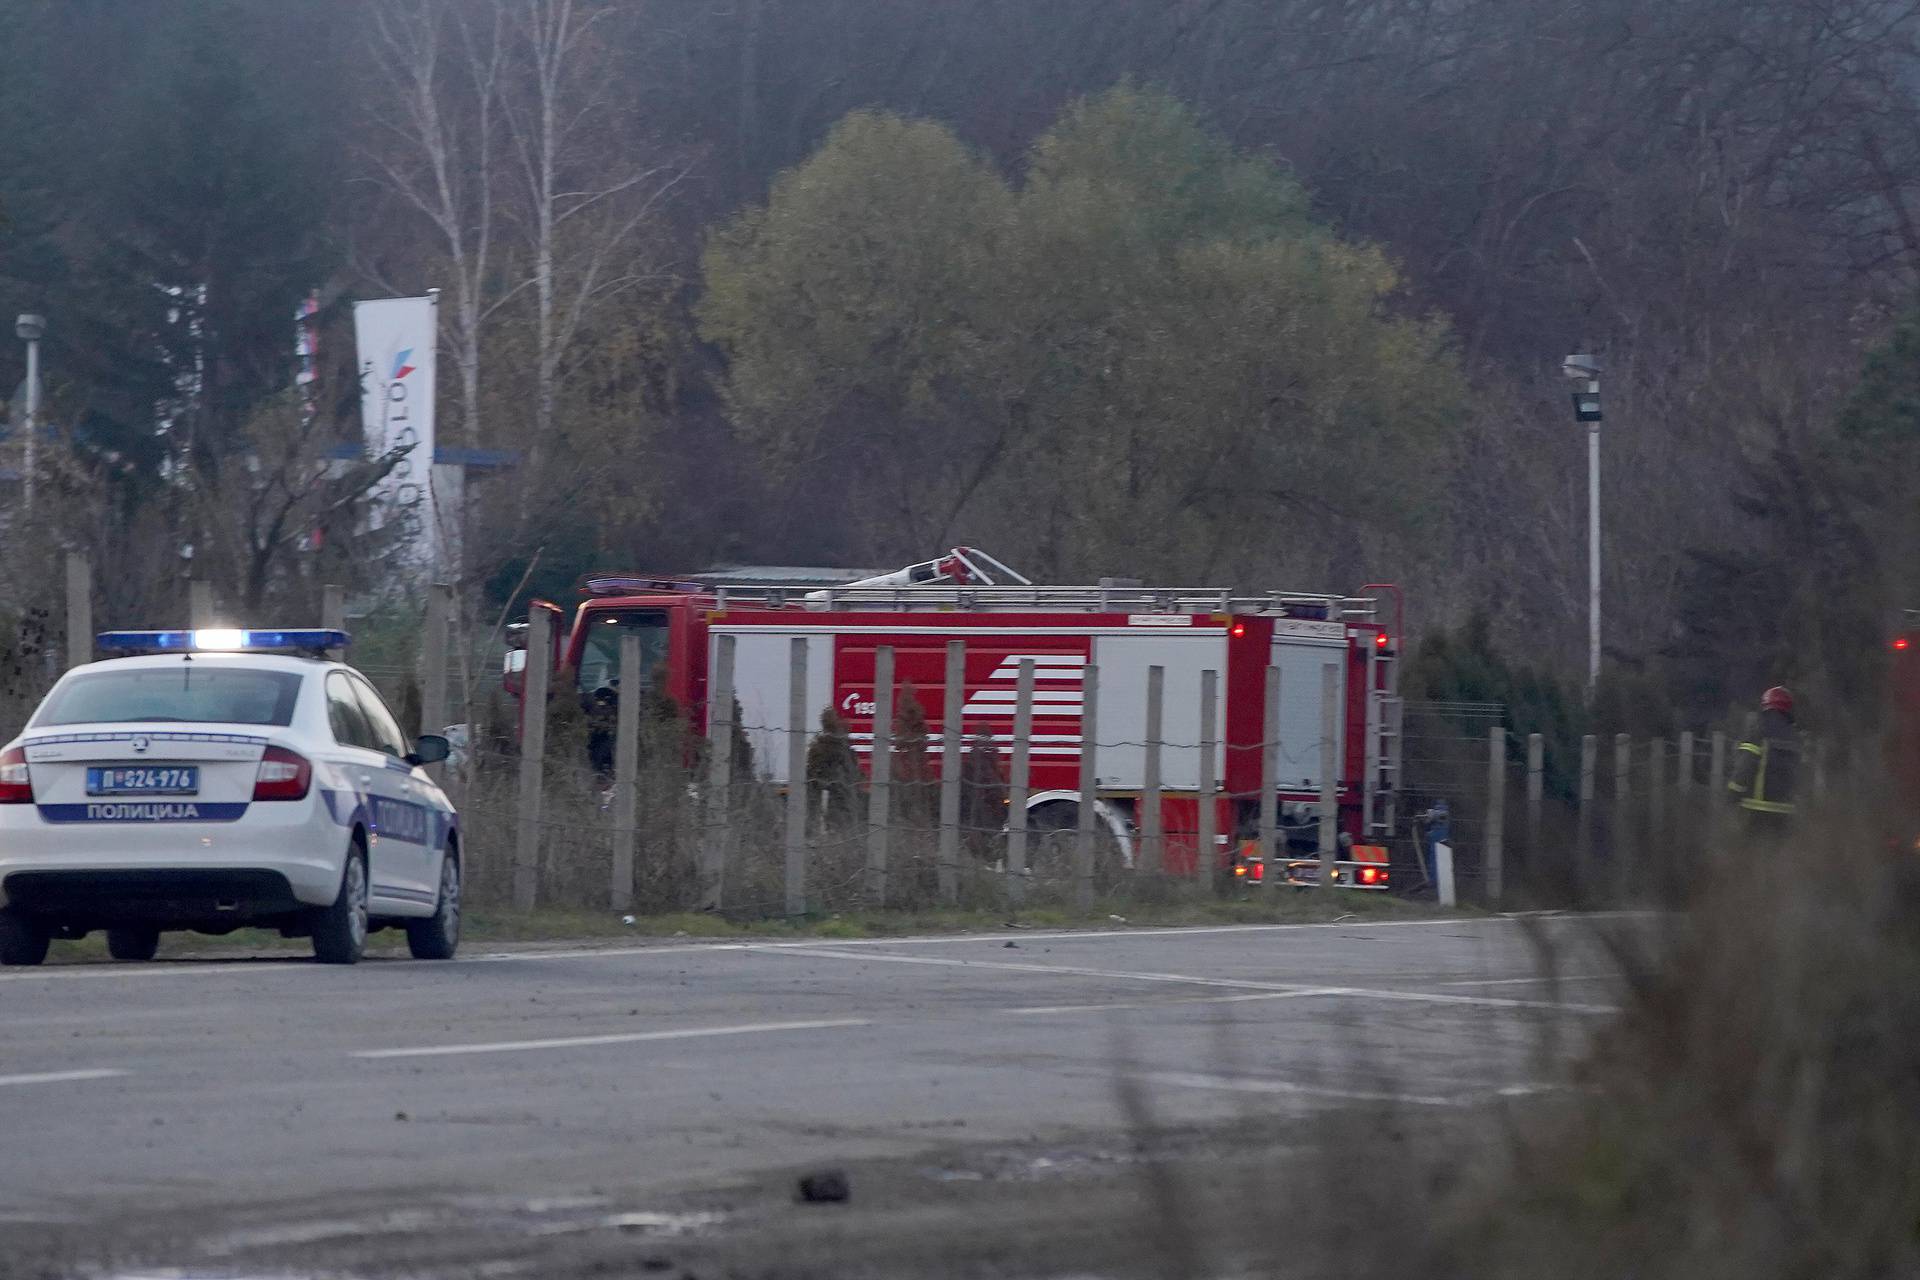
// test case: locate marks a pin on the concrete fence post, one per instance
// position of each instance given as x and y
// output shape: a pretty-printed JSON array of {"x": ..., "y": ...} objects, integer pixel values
[
  {"x": 1656, "y": 798},
  {"x": 1495, "y": 858},
  {"x": 626, "y": 771},
  {"x": 1622, "y": 850},
  {"x": 1152, "y": 859},
  {"x": 880, "y": 770},
  {"x": 1683, "y": 798},
  {"x": 333, "y": 607},
  {"x": 1017, "y": 784},
  {"x": 533, "y": 754},
  {"x": 433, "y": 659},
  {"x": 952, "y": 757},
  {"x": 199, "y": 603},
  {"x": 796, "y": 896},
  {"x": 1716, "y": 784},
  {"x": 1331, "y": 707},
  {"x": 1536, "y": 787},
  {"x": 1583, "y": 867},
  {"x": 1270, "y": 777},
  {"x": 713, "y": 844},
  {"x": 79, "y": 610},
  {"x": 1205, "y": 856},
  {"x": 1089, "y": 788}
]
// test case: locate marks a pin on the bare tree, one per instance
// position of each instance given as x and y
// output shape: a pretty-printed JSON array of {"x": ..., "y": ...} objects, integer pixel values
[
  {"x": 256, "y": 508},
  {"x": 586, "y": 197},
  {"x": 441, "y": 63}
]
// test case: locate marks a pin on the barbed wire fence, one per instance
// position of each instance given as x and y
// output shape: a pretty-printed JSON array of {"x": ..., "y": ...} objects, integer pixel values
[{"x": 629, "y": 809}]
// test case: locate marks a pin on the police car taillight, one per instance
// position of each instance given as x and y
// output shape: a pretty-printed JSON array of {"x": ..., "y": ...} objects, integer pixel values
[
  {"x": 16, "y": 782},
  {"x": 283, "y": 775}
]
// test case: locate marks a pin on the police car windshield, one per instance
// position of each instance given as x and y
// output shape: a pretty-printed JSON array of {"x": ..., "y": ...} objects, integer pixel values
[{"x": 190, "y": 693}]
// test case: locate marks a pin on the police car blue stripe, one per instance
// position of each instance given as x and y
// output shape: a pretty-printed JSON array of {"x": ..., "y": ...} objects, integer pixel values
[
  {"x": 398, "y": 820},
  {"x": 343, "y": 806},
  {"x": 142, "y": 811}
]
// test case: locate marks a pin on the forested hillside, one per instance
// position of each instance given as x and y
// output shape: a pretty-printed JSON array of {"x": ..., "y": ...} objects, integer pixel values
[{"x": 1270, "y": 293}]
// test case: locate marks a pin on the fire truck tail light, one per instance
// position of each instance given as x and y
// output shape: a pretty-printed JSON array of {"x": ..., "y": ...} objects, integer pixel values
[
  {"x": 1900, "y": 643},
  {"x": 16, "y": 780},
  {"x": 1379, "y": 639},
  {"x": 283, "y": 775},
  {"x": 1238, "y": 629},
  {"x": 1372, "y": 875}
]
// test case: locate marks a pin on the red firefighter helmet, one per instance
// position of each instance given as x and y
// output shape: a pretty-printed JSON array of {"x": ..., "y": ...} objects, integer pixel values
[{"x": 1779, "y": 698}]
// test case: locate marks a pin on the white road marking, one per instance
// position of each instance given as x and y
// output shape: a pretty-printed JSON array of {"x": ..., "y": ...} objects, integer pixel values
[
  {"x": 1033, "y": 935},
  {"x": 1128, "y": 975},
  {"x": 61, "y": 1077},
  {"x": 1244, "y": 1084},
  {"x": 633, "y": 1037},
  {"x": 1518, "y": 982},
  {"x": 241, "y": 966},
  {"x": 1067, "y": 970},
  {"x": 1110, "y": 1005},
  {"x": 203, "y": 969},
  {"x": 1484, "y": 1002},
  {"x": 595, "y": 953}
]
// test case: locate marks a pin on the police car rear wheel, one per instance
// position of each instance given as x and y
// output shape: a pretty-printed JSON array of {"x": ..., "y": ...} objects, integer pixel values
[
  {"x": 438, "y": 936},
  {"x": 22, "y": 941},
  {"x": 133, "y": 943},
  {"x": 340, "y": 930}
]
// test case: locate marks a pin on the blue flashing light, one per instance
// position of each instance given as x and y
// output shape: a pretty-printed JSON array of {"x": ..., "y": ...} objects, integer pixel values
[{"x": 222, "y": 640}]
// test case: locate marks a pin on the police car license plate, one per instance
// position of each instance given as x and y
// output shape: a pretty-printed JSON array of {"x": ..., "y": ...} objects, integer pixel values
[{"x": 144, "y": 780}]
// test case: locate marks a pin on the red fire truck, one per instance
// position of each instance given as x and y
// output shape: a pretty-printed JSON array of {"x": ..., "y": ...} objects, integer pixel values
[
  {"x": 1903, "y": 728},
  {"x": 1120, "y": 628}
]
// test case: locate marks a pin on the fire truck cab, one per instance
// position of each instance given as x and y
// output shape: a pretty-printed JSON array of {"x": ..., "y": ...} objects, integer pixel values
[{"x": 1092, "y": 648}]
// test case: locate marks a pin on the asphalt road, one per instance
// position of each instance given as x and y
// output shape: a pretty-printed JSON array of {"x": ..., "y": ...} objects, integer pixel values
[{"x": 216, "y": 1114}]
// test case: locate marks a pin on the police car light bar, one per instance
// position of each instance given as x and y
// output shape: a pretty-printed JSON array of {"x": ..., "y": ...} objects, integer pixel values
[{"x": 222, "y": 640}]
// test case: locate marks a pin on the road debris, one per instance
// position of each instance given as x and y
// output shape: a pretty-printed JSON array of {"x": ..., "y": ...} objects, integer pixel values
[{"x": 829, "y": 1186}]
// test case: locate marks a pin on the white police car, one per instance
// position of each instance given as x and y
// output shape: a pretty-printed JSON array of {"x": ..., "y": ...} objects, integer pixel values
[{"x": 223, "y": 779}]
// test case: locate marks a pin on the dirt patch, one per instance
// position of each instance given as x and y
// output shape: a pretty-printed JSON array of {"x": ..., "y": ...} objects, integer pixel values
[{"x": 1085, "y": 1206}]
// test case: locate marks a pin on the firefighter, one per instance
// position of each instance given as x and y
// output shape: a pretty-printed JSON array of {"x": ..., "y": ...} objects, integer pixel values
[
  {"x": 603, "y": 708},
  {"x": 1767, "y": 764},
  {"x": 1436, "y": 826}
]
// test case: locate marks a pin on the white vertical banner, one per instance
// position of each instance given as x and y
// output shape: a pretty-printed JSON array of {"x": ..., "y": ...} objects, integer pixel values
[{"x": 396, "y": 339}]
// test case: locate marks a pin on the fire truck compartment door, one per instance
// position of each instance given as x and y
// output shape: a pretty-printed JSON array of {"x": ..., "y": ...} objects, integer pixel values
[
  {"x": 1300, "y": 659},
  {"x": 762, "y": 672},
  {"x": 1122, "y": 724}
]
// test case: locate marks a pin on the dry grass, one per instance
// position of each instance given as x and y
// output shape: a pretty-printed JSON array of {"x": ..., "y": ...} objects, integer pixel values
[{"x": 1754, "y": 1111}]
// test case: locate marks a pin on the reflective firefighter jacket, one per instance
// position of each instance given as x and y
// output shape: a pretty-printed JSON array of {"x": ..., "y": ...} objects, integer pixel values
[{"x": 1767, "y": 766}]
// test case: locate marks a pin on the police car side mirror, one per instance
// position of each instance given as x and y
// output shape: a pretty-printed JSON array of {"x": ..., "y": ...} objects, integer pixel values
[{"x": 429, "y": 748}]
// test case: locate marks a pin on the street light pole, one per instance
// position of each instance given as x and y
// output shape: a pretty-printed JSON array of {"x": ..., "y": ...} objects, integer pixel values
[
  {"x": 30, "y": 327},
  {"x": 1593, "y": 552},
  {"x": 1584, "y": 372}
]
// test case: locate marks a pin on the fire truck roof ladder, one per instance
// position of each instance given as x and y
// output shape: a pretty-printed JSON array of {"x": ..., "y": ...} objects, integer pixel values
[{"x": 1048, "y": 599}]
